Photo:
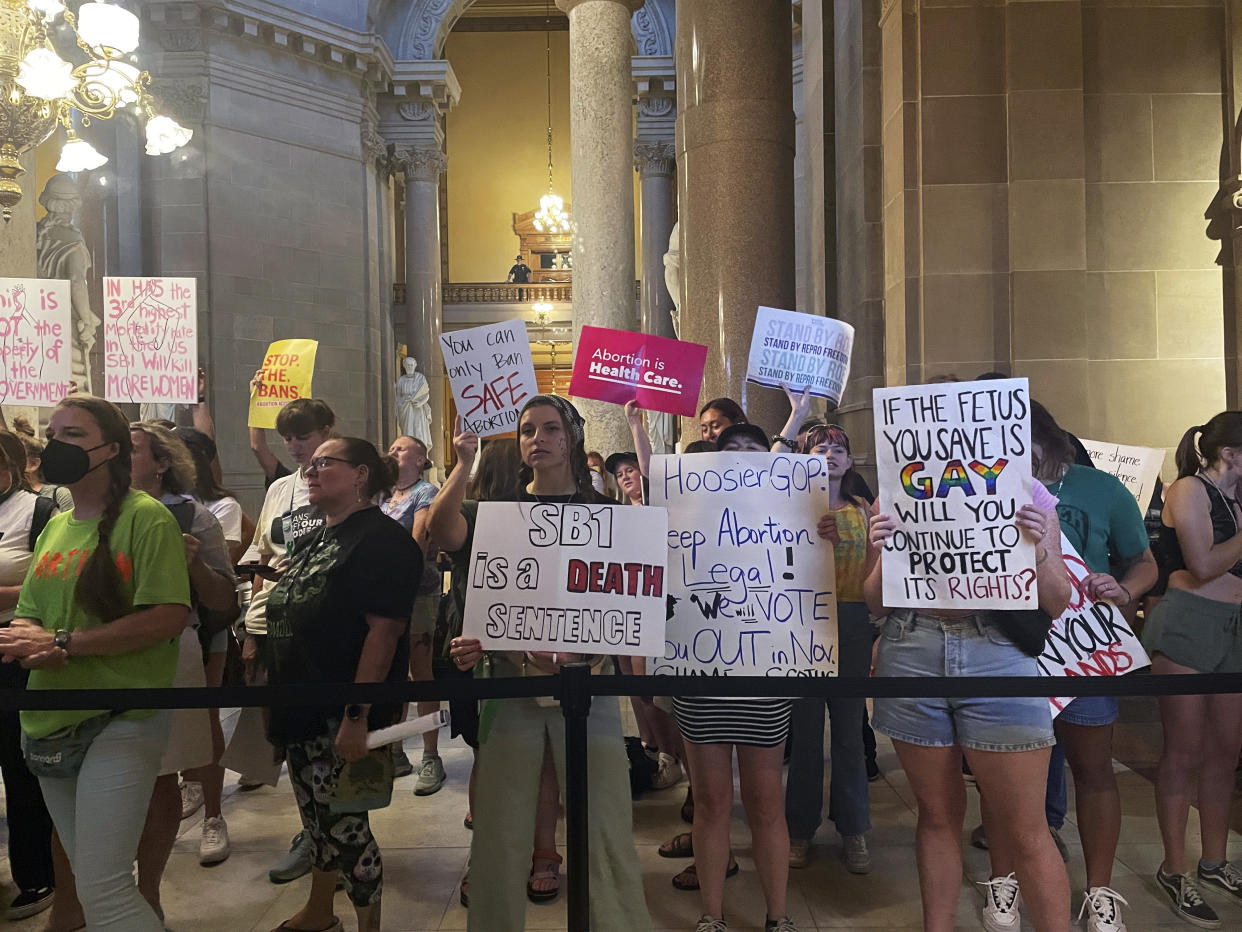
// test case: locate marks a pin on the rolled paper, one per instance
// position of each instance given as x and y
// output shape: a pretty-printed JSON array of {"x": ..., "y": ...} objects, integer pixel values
[{"x": 407, "y": 729}]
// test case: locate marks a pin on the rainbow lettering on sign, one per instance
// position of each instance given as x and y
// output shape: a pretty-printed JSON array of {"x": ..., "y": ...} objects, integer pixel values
[{"x": 954, "y": 476}]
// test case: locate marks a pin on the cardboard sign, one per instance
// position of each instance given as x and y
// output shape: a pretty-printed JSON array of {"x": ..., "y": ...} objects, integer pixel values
[
  {"x": 151, "y": 340},
  {"x": 801, "y": 350},
  {"x": 288, "y": 369},
  {"x": 620, "y": 366},
  {"x": 752, "y": 585},
  {"x": 954, "y": 467},
  {"x": 492, "y": 374},
  {"x": 567, "y": 577},
  {"x": 35, "y": 341},
  {"x": 1138, "y": 468},
  {"x": 1091, "y": 638}
]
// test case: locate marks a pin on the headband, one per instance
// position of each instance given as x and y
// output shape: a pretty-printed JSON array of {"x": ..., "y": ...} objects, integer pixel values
[{"x": 569, "y": 414}]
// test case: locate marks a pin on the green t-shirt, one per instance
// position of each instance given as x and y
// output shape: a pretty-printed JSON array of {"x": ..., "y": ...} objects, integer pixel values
[
  {"x": 150, "y": 555},
  {"x": 1101, "y": 519}
]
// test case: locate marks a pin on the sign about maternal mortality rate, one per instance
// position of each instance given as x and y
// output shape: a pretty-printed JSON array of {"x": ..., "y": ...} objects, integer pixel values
[
  {"x": 954, "y": 466},
  {"x": 658, "y": 373},
  {"x": 287, "y": 373},
  {"x": 151, "y": 340},
  {"x": 34, "y": 341},
  {"x": 752, "y": 585},
  {"x": 801, "y": 351},
  {"x": 491, "y": 372},
  {"x": 567, "y": 577}
]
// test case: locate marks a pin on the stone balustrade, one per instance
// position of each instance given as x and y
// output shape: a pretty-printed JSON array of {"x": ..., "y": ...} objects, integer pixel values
[{"x": 501, "y": 293}]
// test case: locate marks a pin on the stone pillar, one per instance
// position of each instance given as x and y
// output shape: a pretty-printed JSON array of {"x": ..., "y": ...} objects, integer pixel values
[
  {"x": 422, "y": 166},
  {"x": 735, "y": 151},
  {"x": 17, "y": 254},
  {"x": 601, "y": 129},
  {"x": 1225, "y": 217},
  {"x": 656, "y": 172}
]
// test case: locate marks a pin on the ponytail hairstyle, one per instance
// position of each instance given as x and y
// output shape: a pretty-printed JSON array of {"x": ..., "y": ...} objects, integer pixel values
[
  {"x": 380, "y": 475},
  {"x": 835, "y": 434},
  {"x": 179, "y": 473},
  {"x": 1224, "y": 430},
  {"x": 98, "y": 589},
  {"x": 498, "y": 477},
  {"x": 574, "y": 426},
  {"x": 203, "y": 451}
]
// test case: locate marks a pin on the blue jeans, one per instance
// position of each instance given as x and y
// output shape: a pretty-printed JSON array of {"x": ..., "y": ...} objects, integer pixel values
[
  {"x": 849, "y": 799},
  {"x": 99, "y": 815},
  {"x": 1056, "y": 799}
]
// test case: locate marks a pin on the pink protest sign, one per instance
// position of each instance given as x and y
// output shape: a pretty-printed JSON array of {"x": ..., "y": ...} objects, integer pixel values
[
  {"x": 34, "y": 341},
  {"x": 151, "y": 340},
  {"x": 620, "y": 366}
]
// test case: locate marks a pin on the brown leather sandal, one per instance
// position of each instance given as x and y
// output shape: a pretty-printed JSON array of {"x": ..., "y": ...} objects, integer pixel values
[
  {"x": 689, "y": 878},
  {"x": 551, "y": 872}
]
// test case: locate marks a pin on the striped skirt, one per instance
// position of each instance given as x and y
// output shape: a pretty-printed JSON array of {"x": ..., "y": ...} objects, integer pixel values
[{"x": 759, "y": 722}]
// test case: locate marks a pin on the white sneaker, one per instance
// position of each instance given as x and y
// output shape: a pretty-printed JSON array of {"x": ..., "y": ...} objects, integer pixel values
[
  {"x": 857, "y": 857},
  {"x": 670, "y": 772},
  {"x": 213, "y": 847},
  {"x": 1000, "y": 906},
  {"x": 191, "y": 798},
  {"x": 1101, "y": 909}
]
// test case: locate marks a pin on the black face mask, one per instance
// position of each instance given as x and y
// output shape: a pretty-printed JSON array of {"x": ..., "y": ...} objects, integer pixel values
[{"x": 64, "y": 464}]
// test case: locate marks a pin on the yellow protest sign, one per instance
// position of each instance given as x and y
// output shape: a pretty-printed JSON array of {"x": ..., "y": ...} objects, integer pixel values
[{"x": 286, "y": 375}]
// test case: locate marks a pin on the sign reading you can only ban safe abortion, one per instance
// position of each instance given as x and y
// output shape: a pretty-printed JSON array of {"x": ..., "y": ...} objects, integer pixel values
[
  {"x": 492, "y": 374},
  {"x": 34, "y": 341},
  {"x": 751, "y": 584},
  {"x": 567, "y": 577},
  {"x": 954, "y": 466},
  {"x": 151, "y": 340}
]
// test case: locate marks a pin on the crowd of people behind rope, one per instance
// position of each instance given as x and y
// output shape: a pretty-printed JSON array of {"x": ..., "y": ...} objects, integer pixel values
[{"x": 124, "y": 562}]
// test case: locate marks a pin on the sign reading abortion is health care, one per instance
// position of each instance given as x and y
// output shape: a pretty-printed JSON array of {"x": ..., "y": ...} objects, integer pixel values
[
  {"x": 1138, "y": 468},
  {"x": 954, "y": 466},
  {"x": 151, "y": 340},
  {"x": 751, "y": 584},
  {"x": 34, "y": 341},
  {"x": 801, "y": 351},
  {"x": 288, "y": 371},
  {"x": 1090, "y": 638},
  {"x": 567, "y": 577},
  {"x": 620, "y": 366},
  {"x": 492, "y": 374}
]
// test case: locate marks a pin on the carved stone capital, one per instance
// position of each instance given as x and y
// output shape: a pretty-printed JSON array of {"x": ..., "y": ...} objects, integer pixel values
[
  {"x": 374, "y": 145},
  {"x": 420, "y": 163},
  {"x": 184, "y": 99},
  {"x": 654, "y": 157}
]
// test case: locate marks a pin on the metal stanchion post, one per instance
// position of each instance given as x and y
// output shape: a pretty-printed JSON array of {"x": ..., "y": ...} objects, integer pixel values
[{"x": 576, "y": 706}]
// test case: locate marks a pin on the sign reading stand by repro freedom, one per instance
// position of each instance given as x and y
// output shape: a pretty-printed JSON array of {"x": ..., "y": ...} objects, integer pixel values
[
  {"x": 288, "y": 371},
  {"x": 492, "y": 374},
  {"x": 151, "y": 340},
  {"x": 801, "y": 351},
  {"x": 567, "y": 577},
  {"x": 954, "y": 466},
  {"x": 620, "y": 366},
  {"x": 34, "y": 341}
]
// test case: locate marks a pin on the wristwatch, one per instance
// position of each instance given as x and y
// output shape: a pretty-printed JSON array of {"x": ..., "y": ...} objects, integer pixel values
[
  {"x": 61, "y": 639},
  {"x": 354, "y": 712}
]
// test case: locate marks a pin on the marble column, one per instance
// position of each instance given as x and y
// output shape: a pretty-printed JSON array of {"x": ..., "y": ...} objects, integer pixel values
[
  {"x": 1225, "y": 216},
  {"x": 422, "y": 166},
  {"x": 17, "y": 254},
  {"x": 601, "y": 131},
  {"x": 735, "y": 152},
  {"x": 657, "y": 176}
]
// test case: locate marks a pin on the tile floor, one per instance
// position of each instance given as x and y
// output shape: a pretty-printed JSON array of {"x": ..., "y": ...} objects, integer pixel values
[{"x": 425, "y": 850}]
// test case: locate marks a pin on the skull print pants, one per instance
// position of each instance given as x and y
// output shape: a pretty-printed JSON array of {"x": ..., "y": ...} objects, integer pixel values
[{"x": 342, "y": 841}]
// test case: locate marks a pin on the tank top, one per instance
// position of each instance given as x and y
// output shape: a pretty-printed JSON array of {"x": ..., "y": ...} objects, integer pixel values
[{"x": 1224, "y": 526}]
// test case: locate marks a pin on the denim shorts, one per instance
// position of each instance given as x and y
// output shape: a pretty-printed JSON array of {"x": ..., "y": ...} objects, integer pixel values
[
  {"x": 913, "y": 644},
  {"x": 1091, "y": 710}
]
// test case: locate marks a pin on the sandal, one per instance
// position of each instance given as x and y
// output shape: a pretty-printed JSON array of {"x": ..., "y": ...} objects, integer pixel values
[
  {"x": 468, "y": 821},
  {"x": 551, "y": 872},
  {"x": 285, "y": 927},
  {"x": 687, "y": 808},
  {"x": 679, "y": 846},
  {"x": 689, "y": 878},
  {"x": 464, "y": 895}
]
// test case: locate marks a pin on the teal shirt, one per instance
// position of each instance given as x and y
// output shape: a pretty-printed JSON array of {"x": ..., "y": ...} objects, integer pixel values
[{"x": 1099, "y": 517}]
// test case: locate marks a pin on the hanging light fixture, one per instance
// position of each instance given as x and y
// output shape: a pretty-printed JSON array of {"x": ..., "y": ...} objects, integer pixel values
[
  {"x": 551, "y": 217},
  {"x": 39, "y": 90}
]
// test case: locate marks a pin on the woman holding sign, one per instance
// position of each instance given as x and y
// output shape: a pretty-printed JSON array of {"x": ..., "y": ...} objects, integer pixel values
[
  {"x": 1195, "y": 629},
  {"x": 1005, "y": 741},
  {"x": 514, "y": 732}
]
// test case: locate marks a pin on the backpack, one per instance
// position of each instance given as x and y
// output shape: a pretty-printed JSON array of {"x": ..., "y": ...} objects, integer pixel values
[
  {"x": 45, "y": 507},
  {"x": 210, "y": 623}
]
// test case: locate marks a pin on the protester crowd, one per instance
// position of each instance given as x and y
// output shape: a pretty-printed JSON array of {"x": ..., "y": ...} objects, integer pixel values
[{"x": 124, "y": 562}]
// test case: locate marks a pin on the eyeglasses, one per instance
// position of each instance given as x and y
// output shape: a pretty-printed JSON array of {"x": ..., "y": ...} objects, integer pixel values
[{"x": 319, "y": 462}]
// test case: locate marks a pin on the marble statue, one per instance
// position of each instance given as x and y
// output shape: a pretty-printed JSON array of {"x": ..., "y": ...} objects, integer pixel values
[
  {"x": 62, "y": 253},
  {"x": 413, "y": 403},
  {"x": 672, "y": 275}
]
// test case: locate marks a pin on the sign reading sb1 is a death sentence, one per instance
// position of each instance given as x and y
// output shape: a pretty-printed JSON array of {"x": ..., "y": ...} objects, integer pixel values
[
  {"x": 34, "y": 341},
  {"x": 802, "y": 351},
  {"x": 751, "y": 584},
  {"x": 151, "y": 340},
  {"x": 954, "y": 466},
  {"x": 492, "y": 374},
  {"x": 658, "y": 373},
  {"x": 287, "y": 372},
  {"x": 567, "y": 577}
]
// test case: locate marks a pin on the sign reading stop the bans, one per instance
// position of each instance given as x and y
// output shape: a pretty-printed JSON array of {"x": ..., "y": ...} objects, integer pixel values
[{"x": 288, "y": 369}]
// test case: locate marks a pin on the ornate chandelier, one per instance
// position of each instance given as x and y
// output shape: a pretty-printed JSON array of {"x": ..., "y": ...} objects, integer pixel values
[
  {"x": 39, "y": 90},
  {"x": 551, "y": 216}
]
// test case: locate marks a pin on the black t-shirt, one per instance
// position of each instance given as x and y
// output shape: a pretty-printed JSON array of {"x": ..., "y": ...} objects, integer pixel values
[
  {"x": 316, "y": 614},
  {"x": 281, "y": 471},
  {"x": 520, "y": 274}
]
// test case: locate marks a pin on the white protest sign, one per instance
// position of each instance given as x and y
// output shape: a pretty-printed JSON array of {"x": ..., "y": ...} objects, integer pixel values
[
  {"x": 1138, "y": 468},
  {"x": 954, "y": 466},
  {"x": 567, "y": 577},
  {"x": 491, "y": 371},
  {"x": 801, "y": 350},
  {"x": 752, "y": 584},
  {"x": 151, "y": 340},
  {"x": 34, "y": 341},
  {"x": 1090, "y": 638}
]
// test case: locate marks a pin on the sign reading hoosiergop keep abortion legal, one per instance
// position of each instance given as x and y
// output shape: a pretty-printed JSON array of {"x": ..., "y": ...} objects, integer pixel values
[
  {"x": 751, "y": 584},
  {"x": 492, "y": 373},
  {"x": 954, "y": 466},
  {"x": 34, "y": 341},
  {"x": 801, "y": 351},
  {"x": 567, "y": 577},
  {"x": 151, "y": 340}
]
